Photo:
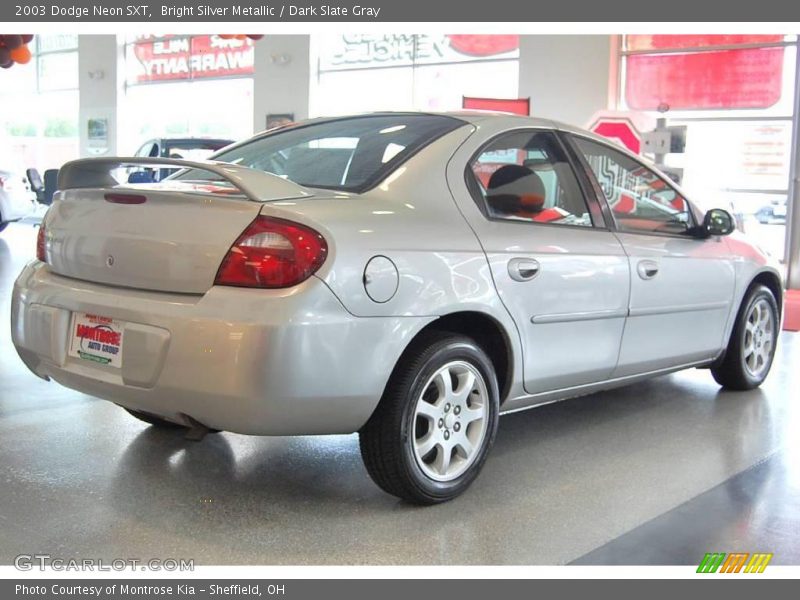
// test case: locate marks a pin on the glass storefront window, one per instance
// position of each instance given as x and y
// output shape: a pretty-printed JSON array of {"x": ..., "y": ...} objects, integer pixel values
[
  {"x": 734, "y": 94},
  {"x": 39, "y": 116},
  {"x": 372, "y": 72},
  {"x": 157, "y": 59},
  {"x": 214, "y": 108},
  {"x": 186, "y": 86},
  {"x": 58, "y": 71}
]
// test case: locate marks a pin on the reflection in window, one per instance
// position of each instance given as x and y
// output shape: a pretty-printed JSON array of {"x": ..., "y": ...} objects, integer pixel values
[{"x": 640, "y": 200}]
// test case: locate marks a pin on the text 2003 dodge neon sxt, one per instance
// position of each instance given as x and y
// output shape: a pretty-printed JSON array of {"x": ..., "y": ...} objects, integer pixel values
[{"x": 406, "y": 276}]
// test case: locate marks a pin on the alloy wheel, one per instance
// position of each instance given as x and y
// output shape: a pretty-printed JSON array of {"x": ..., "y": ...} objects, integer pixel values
[
  {"x": 450, "y": 421},
  {"x": 759, "y": 338}
]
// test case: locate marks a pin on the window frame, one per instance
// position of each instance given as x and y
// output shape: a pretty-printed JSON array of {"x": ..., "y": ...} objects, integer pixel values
[
  {"x": 380, "y": 175},
  {"x": 694, "y": 212},
  {"x": 599, "y": 222}
]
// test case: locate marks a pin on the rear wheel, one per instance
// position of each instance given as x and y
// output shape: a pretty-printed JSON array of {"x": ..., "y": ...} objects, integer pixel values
[
  {"x": 432, "y": 431},
  {"x": 752, "y": 345}
]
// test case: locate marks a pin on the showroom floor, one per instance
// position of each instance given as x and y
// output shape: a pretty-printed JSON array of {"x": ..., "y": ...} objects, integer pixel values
[{"x": 660, "y": 472}]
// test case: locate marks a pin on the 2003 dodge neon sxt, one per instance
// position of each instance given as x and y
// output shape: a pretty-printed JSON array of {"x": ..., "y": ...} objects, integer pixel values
[{"x": 405, "y": 276}]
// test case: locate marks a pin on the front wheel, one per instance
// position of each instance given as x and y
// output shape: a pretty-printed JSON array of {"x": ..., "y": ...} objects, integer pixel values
[
  {"x": 751, "y": 348},
  {"x": 432, "y": 431}
]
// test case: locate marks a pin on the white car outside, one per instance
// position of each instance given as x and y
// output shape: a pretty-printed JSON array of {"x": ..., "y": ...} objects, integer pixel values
[{"x": 17, "y": 201}]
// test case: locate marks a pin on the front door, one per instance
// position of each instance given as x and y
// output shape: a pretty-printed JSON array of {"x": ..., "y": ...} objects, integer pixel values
[{"x": 682, "y": 286}]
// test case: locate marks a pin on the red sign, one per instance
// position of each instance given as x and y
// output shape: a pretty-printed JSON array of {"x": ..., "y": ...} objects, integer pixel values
[
  {"x": 517, "y": 106},
  {"x": 727, "y": 78},
  {"x": 619, "y": 129},
  {"x": 482, "y": 46},
  {"x": 675, "y": 41},
  {"x": 189, "y": 57}
]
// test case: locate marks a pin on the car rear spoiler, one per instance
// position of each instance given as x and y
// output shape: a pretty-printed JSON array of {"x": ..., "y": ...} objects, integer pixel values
[{"x": 258, "y": 186}]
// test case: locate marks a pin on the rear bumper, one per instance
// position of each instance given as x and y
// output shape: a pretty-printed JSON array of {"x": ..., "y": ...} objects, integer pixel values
[{"x": 264, "y": 362}]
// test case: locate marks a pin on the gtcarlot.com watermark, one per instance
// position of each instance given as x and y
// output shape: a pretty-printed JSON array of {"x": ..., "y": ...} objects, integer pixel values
[{"x": 42, "y": 562}]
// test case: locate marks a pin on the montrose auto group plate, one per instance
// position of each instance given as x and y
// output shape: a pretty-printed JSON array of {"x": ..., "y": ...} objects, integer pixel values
[{"x": 96, "y": 339}]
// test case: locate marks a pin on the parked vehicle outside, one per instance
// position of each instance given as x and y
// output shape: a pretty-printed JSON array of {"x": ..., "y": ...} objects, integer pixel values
[
  {"x": 17, "y": 201},
  {"x": 773, "y": 213}
]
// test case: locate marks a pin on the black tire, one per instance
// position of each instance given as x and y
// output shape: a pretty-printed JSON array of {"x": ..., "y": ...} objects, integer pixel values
[
  {"x": 387, "y": 439},
  {"x": 154, "y": 420},
  {"x": 732, "y": 371}
]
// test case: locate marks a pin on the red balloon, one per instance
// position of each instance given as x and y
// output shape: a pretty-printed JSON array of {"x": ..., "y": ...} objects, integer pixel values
[
  {"x": 26, "y": 38},
  {"x": 21, "y": 55},
  {"x": 255, "y": 37},
  {"x": 12, "y": 42}
]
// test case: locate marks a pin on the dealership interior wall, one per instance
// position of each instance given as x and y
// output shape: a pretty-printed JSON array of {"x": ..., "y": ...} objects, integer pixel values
[
  {"x": 656, "y": 473},
  {"x": 738, "y": 157}
]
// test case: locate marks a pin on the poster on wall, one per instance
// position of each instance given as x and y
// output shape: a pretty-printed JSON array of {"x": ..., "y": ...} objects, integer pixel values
[
  {"x": 97, "y": 135},
  {"x": 363, "y": 51},
  {"x": 152, "y": 59}
]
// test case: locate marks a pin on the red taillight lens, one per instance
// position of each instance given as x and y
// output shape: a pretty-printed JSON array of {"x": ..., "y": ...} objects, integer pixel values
[
  {"x": 273, "y": 253},
  {"x": 41, "y": 243},
  {"x": 125, "y": 198}
]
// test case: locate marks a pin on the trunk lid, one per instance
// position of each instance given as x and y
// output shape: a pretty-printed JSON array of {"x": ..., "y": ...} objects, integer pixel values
[
  {"x": 173, "y": 242},
  {"x": 170, "y": 236}
]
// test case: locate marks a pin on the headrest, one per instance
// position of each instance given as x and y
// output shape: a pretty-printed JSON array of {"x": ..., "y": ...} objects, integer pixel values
[{"x": 514, "y": 188}]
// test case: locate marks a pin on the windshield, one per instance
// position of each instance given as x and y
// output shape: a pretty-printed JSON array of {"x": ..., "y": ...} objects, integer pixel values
[{"x": 349, "y": 154}]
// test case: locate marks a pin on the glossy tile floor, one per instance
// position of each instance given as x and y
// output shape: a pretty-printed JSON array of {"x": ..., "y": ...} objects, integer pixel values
[{"x": 658, "y": 472}]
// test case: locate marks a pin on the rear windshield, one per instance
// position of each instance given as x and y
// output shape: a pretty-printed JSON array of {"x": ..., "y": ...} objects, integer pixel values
[{"x": 350, "y": 154}]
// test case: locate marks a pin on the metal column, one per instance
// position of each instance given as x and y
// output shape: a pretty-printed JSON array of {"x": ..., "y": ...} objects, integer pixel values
[{"x": 792, "y": 252}]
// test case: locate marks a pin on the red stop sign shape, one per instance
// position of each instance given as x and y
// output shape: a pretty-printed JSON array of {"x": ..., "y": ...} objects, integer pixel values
[{"x": 619, "y": 129}]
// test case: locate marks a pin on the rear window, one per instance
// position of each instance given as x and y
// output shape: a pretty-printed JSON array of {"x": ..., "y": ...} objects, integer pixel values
[{"x": 350, "y": 154}]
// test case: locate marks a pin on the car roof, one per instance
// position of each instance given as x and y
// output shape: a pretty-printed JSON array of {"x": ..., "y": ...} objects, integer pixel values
[
  {"x": 189, "y": 140},
  {"x": 466, "y": 116}
]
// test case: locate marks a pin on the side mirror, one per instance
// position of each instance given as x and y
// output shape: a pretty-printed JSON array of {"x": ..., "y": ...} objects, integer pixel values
[
  {"x": 718, "y": 221},
  {"x": 141, "y": 177}
]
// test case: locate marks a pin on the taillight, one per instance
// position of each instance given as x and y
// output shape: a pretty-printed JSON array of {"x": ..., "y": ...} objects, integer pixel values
[
  {"x": 273, "y": 253},
  {"x": 41, "y": 242},
  {"x": 125, "y": 198}
]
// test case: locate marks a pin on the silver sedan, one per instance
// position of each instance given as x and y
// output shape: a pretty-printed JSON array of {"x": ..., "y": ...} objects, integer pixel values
[{"x": 405, "y": 276}]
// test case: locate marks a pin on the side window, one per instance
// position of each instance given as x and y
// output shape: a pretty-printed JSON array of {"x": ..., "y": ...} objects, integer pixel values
[
  {"x": 640, "y": 200},
  {"x": 525, "y": 176}
]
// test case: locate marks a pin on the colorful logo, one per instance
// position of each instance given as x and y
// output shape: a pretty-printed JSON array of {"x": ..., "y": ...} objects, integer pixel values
[{"x": 735, "y": 562}]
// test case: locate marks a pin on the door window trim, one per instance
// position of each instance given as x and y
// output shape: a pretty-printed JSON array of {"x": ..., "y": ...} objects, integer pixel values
[
  {"x": 599, "y": 222},
  {"x": 601, "y": 197}
]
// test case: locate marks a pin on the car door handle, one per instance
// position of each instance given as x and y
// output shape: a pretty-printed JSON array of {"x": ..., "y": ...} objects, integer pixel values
[
  {"x": 647, "y": 269},
  {"x": 523, "y": 269}
]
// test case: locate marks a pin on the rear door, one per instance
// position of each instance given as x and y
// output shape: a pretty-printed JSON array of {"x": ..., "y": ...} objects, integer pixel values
[
  {"x": 560, "y": 273},
  {"x": 681, "y": 286}
]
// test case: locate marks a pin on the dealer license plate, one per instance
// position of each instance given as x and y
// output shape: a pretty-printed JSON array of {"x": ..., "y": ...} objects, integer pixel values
[{"x": 97, "y": 339}]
